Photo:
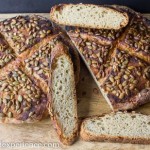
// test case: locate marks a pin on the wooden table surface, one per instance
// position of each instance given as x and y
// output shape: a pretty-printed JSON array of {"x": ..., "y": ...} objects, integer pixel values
[{"x": 90, "y": 102}]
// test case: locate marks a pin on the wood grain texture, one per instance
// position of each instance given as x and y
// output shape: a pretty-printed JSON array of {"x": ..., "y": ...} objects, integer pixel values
[{"x": 90, "y": 102}]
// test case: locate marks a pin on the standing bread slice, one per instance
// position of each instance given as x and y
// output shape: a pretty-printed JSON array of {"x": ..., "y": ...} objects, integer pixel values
[
  {"x": 62, "y": 97},
  {"x": 117, "y": 127},
  {"x": 89, "y": 16}
]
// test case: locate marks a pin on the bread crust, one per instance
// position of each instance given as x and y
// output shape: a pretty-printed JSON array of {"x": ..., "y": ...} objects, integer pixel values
[
  {"x": 85, "y": 135},
  {"x": 41, "y": 82},
  {"x": 61, "y": 6},
  {"x": 40, "y": 109},
  {"x": 125, "y": 43}
]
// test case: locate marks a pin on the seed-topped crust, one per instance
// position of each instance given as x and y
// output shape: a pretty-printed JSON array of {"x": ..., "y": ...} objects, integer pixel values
[
  {"x": 20, "y": 98},
  {"x": 137, "y": 38},
  {"x": 124, "y": 82},
  {"x": 6, "y": 53},
  {"x": 128, "y": 77},
  {"x": 26, "y": 47},
  {"x": 23, "y": 32},
  {"x": 103, "y": 34},
  {"x": 37, "y": 64},
  {"x": 95, "y": 52}
]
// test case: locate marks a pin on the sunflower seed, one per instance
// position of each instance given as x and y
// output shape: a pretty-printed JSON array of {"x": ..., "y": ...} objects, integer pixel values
[
  {"x": 26, "y": 108},
  {"x": 111, "y": 79},
  {"x": 40, "y": 71},
  {"x": 121, "y": 96},
  {"x": 19, "y": 111},
  {"x": 36, "y": 68},
  {"x": 20, "y": 98},
  {"x": 125, "y": 77}
]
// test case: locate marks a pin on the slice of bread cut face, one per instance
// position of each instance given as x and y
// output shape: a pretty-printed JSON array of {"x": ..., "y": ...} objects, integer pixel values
[
  {"x": 64, "y": 102},
  {"x": 117, "y": 127},
  {"x": 89, "y": 16}
]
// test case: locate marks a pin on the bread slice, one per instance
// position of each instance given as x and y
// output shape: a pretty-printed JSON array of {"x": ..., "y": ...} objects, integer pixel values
[
  {"x": 63, "y": 101},
  {"x": 118, "y": 127},
  {"x": 89, "y": 16}
]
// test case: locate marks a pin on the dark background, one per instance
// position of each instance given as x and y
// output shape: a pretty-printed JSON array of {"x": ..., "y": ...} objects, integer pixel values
[{"x": 43, "y": 6}]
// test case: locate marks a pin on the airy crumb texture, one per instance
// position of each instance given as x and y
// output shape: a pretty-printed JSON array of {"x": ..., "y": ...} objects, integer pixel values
[
  {"x": 64, "y": 99},
  {"x": 117, "y": 127},
  {"x": 89, "y": 16}
]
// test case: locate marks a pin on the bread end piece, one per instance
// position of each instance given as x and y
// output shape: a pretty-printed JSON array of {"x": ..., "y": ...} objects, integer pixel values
[{"x": 89, "y": 16}]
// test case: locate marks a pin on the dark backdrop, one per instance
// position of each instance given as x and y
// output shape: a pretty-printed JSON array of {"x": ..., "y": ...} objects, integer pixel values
[{"x": 14, "y": 6}]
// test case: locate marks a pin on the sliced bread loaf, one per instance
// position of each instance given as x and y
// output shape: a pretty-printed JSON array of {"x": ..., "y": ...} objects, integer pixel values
[
  {"x": 63, "y": 101},
  {"x": 89, "y": 16},
  {"x": 118, "y": 127}
]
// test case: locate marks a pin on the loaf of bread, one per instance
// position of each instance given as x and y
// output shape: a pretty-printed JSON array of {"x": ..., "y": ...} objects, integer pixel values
[
  {"x": 27, "y": 45},
  {"x": 22, "y": 99},
  {"x": 117, "y": 127},
  {"x": 119, "y": 60}
]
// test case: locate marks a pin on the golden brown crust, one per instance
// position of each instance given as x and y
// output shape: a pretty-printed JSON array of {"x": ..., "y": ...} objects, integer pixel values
[
  {"x": 35, "y": 64},
  {"x": 6, "y": 53},
  {"x": 95, "y": 53},
  {"x": 103, "y": 35},
  {"x": 127, "y": 78},
  {"x": 87, "y": 137},
  {"x": 136, "y": 39},
  {"x": 21, "y": 100},
  {"x": 22, "y": 32}
]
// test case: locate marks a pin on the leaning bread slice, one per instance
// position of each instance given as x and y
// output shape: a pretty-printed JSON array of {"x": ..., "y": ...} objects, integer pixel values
[
  {"x": 89, "y": 16},
  {"x": 62, "y": 97},
  {"x": 119, "y": 127}
]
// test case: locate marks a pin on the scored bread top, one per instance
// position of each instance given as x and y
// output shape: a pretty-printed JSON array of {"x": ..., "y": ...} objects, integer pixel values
[
  {"x": 89, "y": 16},
  {"x": 100, "y": 49},
  {"x": 26, "y": 44},
  {"x": 21, "y": 98},
  {"x": 128, "y": 77},
  {"x": 137, "y": 38},
  {"x": 23, "y": 32}
]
